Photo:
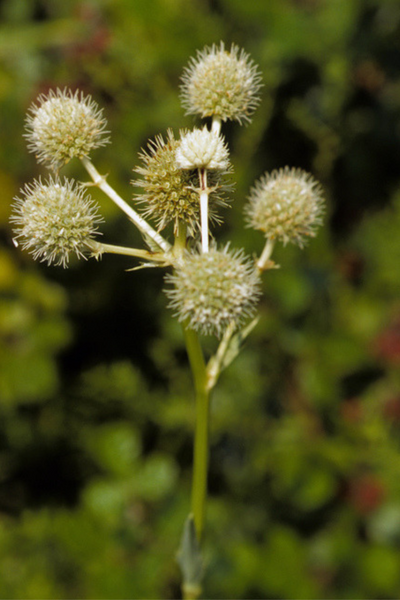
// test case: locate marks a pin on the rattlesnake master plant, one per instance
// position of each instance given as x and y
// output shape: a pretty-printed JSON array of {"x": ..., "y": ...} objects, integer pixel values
[
  {"x": 183, "y": 182},
  {"x": 213, "y": 289},
  {"x": 64, "y": 125},
  {"x": 221, "y": 84},
  {"x": 55, "y": 219},
  {"x": 286, "y": 205}
]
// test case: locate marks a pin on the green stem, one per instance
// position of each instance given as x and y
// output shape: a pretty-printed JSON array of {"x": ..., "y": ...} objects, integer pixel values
[
  {"x": 98, "y": 248},
  {"x": 180, "y": 239},
  {"x": 200, "y": 458}
]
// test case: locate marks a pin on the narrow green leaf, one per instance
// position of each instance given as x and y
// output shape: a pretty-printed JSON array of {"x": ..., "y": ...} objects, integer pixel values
[
  {"x": 190, "y": 560},
  {"x": 235, "y": 344}
]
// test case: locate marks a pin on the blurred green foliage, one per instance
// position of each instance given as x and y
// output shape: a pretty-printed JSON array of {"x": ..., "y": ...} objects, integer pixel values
[{"x": 95, "y": 394}]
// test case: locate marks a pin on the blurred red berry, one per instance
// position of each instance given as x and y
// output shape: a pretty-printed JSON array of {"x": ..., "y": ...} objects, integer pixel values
[
  {"x": 365, "y": 493},
  {"x": 387, "y": 343},
  {"x": 391, "y": 409},
  {"x": 352, "y": 411}
]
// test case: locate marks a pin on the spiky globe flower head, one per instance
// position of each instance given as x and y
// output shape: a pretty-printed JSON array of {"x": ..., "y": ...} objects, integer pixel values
[
  {"x": 64, "y": 125},
  {"x": 221, "y": 84},
  {"x": 214, "y": 288},
  {"x": 287, "y": 205},
  {"x": 169, "y": 193},
  {"x": 202, "y": 149},
  {"x": 55, "y": 219}
]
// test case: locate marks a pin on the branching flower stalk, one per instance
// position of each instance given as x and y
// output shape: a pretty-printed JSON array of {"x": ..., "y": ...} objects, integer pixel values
[
  {"x": 184, "y": 185},
  {"x": 141, "y": 224},
  {"x": 203, "y": 150},
  {"x": 98, "y": 249},
  {"x": 264, "y": 262},
  {"x": 203, "y": 209}
]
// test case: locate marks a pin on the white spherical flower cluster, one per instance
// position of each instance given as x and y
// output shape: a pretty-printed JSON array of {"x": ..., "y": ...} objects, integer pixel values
[
  {"x": 202, "y": 149},
  {"x": 221, "y": 84},
  {"x": 55, "y": 219},
  {"x": 214, "y": 288},
  {"x": 63, "y": 126},
  {"x": 287, "y": 205}
]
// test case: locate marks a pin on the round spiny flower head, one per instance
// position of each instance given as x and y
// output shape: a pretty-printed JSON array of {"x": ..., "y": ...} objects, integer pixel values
[
  {"x": 54, "y": 220},
  {"x": 202, "y": 149},
  {"x": 287, "y": 205},
  {"x": 63, "y": 126},
  {"x": 170, "y": 193},
  {"x": 221, "y": 84},
  {"x": 214, "y": 288}
]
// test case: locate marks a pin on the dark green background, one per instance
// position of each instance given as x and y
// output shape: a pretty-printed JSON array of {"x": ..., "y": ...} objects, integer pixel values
[{"x": 96, "y": 406}]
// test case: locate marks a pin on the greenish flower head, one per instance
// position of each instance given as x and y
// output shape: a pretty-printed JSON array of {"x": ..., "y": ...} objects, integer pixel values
[
  {"x": 170, "y": 193},
  {"x": 214, "y": 288},
  {"x": 287, "y": 205},
  {"x": 63, "y": 126},
  {"x": 221, "y": 84},
  {"x": 55, "y": 220}
]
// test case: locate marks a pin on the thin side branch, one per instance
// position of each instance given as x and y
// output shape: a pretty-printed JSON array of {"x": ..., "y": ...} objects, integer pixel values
[{"x": 140, "y": 223}]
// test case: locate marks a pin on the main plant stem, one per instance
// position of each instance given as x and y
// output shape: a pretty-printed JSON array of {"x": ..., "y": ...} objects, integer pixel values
[
  {"x": 200, "y": 456},
  {"x": 200, "y": 461}
]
